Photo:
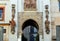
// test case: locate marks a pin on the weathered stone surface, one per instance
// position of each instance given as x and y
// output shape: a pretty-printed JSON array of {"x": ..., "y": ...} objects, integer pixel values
[
  {"x": 36, "y": 16},
  {"x": 58, "y": 33}
]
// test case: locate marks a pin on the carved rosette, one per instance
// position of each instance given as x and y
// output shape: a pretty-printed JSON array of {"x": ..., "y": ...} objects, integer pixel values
[
  {"x": 47, "y": 22},
  {"x": 12, "y": 22}
]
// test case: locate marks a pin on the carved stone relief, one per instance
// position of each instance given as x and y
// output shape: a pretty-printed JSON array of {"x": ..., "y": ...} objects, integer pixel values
[
  {"x": 47, "y": 22},
  {"x": 12, "y": 22},
  {"x": 29, "y": 5}
]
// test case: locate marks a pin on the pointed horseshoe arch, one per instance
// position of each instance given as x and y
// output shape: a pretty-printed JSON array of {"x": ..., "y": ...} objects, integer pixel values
[
  {"x": 30, "y": 28},
  {"x": 30, "y": 22}
]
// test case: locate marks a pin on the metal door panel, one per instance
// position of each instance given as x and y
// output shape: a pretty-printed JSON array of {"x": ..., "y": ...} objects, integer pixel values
[{"x": 58, "y": 33}]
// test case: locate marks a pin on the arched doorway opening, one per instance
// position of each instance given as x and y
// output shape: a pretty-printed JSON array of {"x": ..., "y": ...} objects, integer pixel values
[{"x": 30, "y": 31}]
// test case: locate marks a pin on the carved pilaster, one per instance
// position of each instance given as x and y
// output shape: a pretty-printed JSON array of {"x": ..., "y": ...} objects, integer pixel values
[
  {"x": 12, "y": 22},
  {"x": 47, "y": 22}
]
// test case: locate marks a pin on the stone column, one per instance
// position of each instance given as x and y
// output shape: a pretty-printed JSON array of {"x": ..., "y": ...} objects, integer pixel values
[
  {"x": 20, "y": 5},
  {"x": 40, "y": 36},
  {"x": 47, "y": 37},
  {"x": 20, "y": 36},
  {"x": 39, "y": 5}
]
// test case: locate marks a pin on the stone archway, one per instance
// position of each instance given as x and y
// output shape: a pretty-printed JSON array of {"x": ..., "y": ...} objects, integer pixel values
[
  {"x": 35, "y": 16},
  {"x": 30, "y": 29}
]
